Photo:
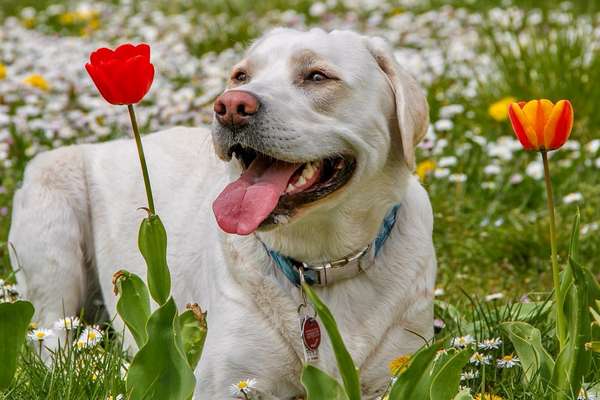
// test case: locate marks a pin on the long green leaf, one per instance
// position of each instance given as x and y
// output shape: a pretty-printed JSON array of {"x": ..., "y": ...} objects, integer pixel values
[
  {"x": 14, "y": 321},
  {"x": 414, "y": 383},
  {"x": 534, "y": 358},
  {"x": 160, "y": 370},
  {"x": 345, "y": 364},
  {"x": 574, "y": 360},
  {"x": 133, "y": 305},
  {"x": 464, "y": 395},
  {"x": 193, "y": 335},
  {"x": 320, "y": 386},
  {"x": 445, "y": 382},
  {"x": 152, "y": 241}
]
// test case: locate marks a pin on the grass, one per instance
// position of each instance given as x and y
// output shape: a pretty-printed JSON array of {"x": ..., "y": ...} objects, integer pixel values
[{"x": 491, "y": 235}]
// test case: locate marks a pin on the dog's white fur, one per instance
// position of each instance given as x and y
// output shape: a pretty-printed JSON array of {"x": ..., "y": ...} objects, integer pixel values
[{"x": 75, "y": 217}]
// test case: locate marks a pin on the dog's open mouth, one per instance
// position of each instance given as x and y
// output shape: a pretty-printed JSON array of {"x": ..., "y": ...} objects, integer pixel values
[{"x": 270, "y": 190}]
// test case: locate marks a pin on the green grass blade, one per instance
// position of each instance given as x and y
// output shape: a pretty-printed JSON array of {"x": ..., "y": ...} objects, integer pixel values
[
  {"x": 345, "y": 364},
  {"x": 320, "y": 386},
  {"x": 414, "y": 383},
  {"x": 445, "y": 382},
  {"x": 15, "y": 318}
]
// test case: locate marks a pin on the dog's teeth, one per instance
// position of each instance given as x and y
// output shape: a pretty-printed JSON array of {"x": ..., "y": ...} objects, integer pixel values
[
  {"x": 289, "y": 188},
  {"x": 308, "y": 171},
  {"x": 301, "y": 181}
]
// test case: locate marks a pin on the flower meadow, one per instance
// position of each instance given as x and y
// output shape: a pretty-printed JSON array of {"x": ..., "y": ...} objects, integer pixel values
[{"x": 502, "y": 332}]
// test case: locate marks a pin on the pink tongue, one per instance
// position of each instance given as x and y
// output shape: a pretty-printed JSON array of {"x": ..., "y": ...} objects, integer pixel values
[{"x": 246, "y": 202}]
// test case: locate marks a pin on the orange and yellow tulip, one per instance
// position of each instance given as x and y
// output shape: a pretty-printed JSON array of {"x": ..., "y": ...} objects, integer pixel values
[{"x": 540, "y": 124}]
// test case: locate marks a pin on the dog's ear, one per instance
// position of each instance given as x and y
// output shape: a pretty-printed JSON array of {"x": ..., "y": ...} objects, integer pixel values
[{"x": 412, "y": 110}]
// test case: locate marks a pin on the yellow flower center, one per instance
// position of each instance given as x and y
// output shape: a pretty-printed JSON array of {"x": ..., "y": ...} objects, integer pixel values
[
  {"x": 243, "y": 385},
  {"x": 37, "y": 81},
  {"x": 2, "y": 71},
  {"x": 40, "y": 335}
]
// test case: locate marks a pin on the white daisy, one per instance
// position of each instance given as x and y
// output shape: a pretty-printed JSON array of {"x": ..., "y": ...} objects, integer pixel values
[
  {"x": 457, "y": 178},
  {"x": 67, "y": 324},
  {"x": 90, "y": 337},
  {"x": 490, "y": 344},
  {"x": 461, "y": 342},
  {"x": 243, "y": 387},
  {"x": 573, "y": 198},
  {"x": 494, "y": 296},
  {"x": 39, "y": 335},
  {"x": 508, "y": 361},
  {"x": 480, "y": 359},
  {"x": 469, "y": 375}
]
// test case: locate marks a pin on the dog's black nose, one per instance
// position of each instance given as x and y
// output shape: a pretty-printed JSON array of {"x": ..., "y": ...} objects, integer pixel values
[{"x": 236, "y": 108}]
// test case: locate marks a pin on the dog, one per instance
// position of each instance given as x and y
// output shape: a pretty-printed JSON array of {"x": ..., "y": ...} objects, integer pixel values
[{"x": 306, "y": 174}]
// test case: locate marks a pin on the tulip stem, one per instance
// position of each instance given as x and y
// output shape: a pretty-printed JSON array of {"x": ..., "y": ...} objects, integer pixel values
[
  {"x": 140, "y": 149},
  {"x": 560, "y": 315}
]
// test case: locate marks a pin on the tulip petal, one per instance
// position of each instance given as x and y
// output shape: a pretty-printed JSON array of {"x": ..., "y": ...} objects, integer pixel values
[
  {"x": 559, "y": 125},
  {"x": 101, "y": 55},
  {"x": 102, "y": 82},
  {"x": 125, "y": 51},
  {"x": 537, "y": 112},
  {"x": 522, "y": 127}
]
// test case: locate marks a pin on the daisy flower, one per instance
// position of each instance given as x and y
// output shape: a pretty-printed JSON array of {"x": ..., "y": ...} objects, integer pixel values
[
  {"x": 508, "y": 361},
  {"x": 480, "y": 359},
  {"x": 67, "y": 324},
  {"x": 469, "y": 375},
  {"x": 243, "y": 387},
  {"x": 39, "y": 335},
  {"x": 461, "y": 342},
  {"x": 398, "y": 365},
  {"x": 490, "y": 344},
  {"x": 90, "y": 337}
]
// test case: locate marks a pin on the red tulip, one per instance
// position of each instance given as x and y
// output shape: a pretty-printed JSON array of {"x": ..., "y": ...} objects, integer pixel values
[
  {"x": 122, "y": 76},
  {"x": 540, "y": 124}
]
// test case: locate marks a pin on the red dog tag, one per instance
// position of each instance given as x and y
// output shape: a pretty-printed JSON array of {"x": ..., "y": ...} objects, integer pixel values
[{"x": 311, "y": 333}]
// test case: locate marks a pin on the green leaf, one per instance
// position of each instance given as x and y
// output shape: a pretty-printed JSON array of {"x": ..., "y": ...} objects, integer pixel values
[
  {"x": 345, "y": 364},
  {"x": 414, "y": 383},
  {"x": 320, "y": 386},
  {"x": 574, "y": 243},
  {"x": 15, "y": 318},
  {"x": 152, "y": 241},
  {"x": 446, "y": 380},
  {"x": 133, "y": 305},
  {"x": 573, "y": 361},
  {"x": 528, "y": 344},
  {"x": 464, "y": 395},
  {"x": 160, "y": 370},
  {"x": 193, "y": 335}
]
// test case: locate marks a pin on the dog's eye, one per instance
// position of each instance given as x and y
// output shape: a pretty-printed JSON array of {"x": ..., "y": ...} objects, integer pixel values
[
  {"x": 316, "y": 76},
  {"x": 240, "y": 76}
]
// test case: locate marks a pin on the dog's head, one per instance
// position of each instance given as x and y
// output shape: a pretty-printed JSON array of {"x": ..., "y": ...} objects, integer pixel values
[{"x": 312, "y": 120}]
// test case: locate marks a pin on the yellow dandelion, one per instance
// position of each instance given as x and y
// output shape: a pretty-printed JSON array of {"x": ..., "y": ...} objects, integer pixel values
[
  {"x": 488, "y": 396},
  {"x": 499, "y": 109},
  {"x": 399, "y": 365},
  {"x": 424, "y": 168},
  {"x": 37, "y": 81},
  {"x": 28, "y": 22},
  {"x": 67, "y": 18}
]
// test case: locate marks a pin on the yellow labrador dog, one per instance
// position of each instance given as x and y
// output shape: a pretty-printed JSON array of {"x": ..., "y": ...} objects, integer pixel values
[{"x": 305, "y": 175}]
